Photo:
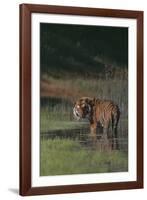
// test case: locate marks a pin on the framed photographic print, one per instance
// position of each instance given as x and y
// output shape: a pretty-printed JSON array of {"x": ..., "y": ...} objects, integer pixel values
[{"x": 81, "y": 99}]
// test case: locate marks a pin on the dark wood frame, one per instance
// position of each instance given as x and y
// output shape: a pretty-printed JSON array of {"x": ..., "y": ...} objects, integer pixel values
[{"x": 25, "y": 99}]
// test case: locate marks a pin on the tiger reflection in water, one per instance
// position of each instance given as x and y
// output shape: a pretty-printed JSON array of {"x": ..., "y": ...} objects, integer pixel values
[{"x": 97, "y": 111}]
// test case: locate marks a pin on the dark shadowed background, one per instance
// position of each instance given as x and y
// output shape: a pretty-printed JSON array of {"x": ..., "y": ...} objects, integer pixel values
[{"x": 76, "y": 49}]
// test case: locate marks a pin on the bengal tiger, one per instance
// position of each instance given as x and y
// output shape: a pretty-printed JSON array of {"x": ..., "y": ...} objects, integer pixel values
[{"x": 105, "y": 112}]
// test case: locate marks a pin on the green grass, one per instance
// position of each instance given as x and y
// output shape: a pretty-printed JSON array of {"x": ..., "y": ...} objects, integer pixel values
[
  {"x": 47, "y": 125},
  {"x": 69, "y": 157},
  {"x": 57, "y": 120}
]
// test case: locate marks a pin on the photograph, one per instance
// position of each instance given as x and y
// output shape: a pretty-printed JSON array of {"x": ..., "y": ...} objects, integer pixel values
[{"x": 83, "y": 99}]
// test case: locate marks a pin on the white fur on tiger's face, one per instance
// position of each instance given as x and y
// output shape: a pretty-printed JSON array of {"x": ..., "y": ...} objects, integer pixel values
[{"x": 81, "y": 110}]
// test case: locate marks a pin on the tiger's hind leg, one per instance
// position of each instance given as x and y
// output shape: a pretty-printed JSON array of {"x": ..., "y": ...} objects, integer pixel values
[
  {"x": 105, "y": 140},
  {"x": 105, "y": 125},
  {"x": 105, "y": 133}
]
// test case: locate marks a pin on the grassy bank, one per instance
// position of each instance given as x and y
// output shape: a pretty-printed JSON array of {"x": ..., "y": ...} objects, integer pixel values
[{"x": 69, "y": 157}]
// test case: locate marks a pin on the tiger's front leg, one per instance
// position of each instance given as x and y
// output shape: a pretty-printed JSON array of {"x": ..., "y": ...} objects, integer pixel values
[{"x": 93, "y": 127}]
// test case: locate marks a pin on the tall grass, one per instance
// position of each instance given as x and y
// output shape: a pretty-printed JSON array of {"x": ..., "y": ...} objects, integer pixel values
[
  {"x": 57, "y": 112},
  {"x": 113, "y": 89}
]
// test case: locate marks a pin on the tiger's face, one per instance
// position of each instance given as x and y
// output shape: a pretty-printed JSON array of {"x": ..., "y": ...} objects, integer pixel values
[{"x": 82, "y": 109}]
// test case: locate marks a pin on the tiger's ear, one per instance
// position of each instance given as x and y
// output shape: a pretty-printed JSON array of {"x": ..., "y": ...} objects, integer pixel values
[
  {"x": 74, "y": 103},
  {"x": 93, "y": 101}
]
